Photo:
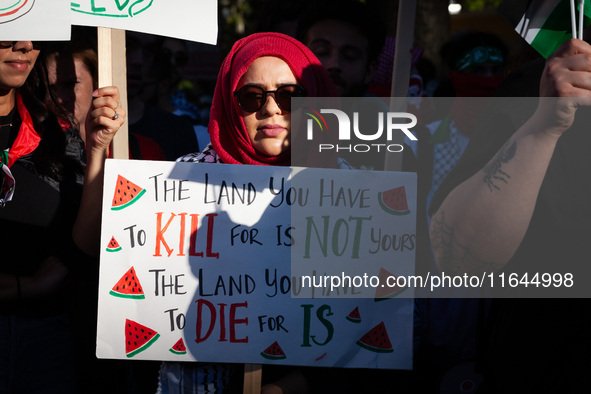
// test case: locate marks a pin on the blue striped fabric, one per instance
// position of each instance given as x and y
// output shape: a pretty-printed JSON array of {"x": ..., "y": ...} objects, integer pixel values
[{"x": 193, "y": 378}]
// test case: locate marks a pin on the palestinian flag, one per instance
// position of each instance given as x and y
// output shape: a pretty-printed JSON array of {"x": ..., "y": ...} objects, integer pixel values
[
  {"x": 27, "y": 140},
  {"x": 544, "y": 24},
  {"x": 6, "y": 179}
]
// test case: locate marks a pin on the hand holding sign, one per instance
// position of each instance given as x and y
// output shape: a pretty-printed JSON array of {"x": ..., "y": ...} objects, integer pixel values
[{"x": 105, "y": 118}]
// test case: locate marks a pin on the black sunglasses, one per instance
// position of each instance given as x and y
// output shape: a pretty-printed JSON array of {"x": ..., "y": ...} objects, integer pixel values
[
  {"x": 252, "y": 98},
  {"x": 10, "y": 44}
]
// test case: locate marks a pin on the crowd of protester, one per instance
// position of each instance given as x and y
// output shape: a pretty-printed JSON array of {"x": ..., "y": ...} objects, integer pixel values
[{"x": 502, "y": 345}]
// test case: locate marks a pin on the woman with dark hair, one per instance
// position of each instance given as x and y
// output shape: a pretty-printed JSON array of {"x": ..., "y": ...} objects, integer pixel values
[
  {"x": 43, "y": 170},
  {"x": 73, "y": 75}
]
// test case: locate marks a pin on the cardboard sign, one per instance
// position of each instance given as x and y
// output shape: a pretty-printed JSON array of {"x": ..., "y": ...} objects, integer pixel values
[
  {"x": 208, "y": 262},
  {"x": 33, "y": 20},
  {"x": 194, "y": 20}
]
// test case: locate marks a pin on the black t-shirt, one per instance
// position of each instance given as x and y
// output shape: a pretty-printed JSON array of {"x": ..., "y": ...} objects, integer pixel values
[
  {"x": 7, "y": 132},
  {"x": 540, "y": 345},
  {"x": 37, "y": 222}
]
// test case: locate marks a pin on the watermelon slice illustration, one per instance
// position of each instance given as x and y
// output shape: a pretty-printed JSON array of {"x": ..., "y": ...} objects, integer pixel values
[
  {"x": 113, "y": 245},
  {"x": 393, "y": 201},
  {"x": 376, "y": 340},
  {"x": 178, "y": 347},
  {"x": 383, "y": 291},
  {"x": 128, "y": 287},
  {"x": 126, "y": 193},
  {"x": 138, "y": 337},
  {"x": 354, "y": 316},
  {"x": 273, "y": 352}
]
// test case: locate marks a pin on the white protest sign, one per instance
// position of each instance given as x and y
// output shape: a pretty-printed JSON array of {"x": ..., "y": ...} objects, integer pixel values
[
  {"x": 194, "y": 20},
  {"x": 196, "y": 264},
  {"x": 34, "y": 20}
]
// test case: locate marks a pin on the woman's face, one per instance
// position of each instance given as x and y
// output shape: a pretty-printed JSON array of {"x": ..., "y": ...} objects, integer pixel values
[
  {"x": 73, "y": 85},
  {"x": 16, "y": 64},
  {"x": 269, "y": 128}
]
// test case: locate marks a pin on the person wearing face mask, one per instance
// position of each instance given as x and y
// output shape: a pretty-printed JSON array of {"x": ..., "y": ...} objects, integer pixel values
[{"x": 476, "y": 63}]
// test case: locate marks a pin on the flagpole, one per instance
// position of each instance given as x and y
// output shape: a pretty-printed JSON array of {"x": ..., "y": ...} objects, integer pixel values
[
  {"x": 581, "y": 13},
  {"x": 401, "y": 73},
  {"x": 111, "y": 60},
  {"x": 573, "y": 18},
  {"x": 253, "y": 377}
]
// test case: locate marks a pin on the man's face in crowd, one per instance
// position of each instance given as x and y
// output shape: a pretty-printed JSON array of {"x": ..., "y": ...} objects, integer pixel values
[
  {"x": 343, "y": 51},
  {"x": 140, "y": 52},
  {"x": 177, "y": 51}
]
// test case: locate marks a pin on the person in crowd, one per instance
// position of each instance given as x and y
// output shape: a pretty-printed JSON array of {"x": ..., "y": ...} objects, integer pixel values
[
  {"x": 50, "y": 212},
  {"x": 73, "y": 76},
  {"x": 72, "y": 68},
  {"x": 146, "y": 70},
  {"x": 517, "y": 202},
  {"x": 177, "y": 54},
  {"x": 381, "y": 83},
  {"x": 347, "y": 39},
  {"x": 251, "y": 124},
  {"x": 177, "y": 93},
  {"x": 170, "y": 98},
  {"x": 476, "y": 61}
]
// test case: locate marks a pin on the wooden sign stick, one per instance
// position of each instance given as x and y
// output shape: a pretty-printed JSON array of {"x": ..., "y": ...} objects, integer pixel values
[
  {"x": 405, "y": 28},
  {"x": 112, "y": 71},
  {"x": 253, "y": 377}
]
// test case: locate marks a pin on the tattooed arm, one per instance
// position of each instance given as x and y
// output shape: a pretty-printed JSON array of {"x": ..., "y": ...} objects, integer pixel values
[{"x": 482, "y": 222}]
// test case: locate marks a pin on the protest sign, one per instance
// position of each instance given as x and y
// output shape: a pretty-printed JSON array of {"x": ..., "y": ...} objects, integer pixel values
[
  {"x": 196, "y": 260},
  {"x": 35, "y": 20},
  {"x": 194, "y": 20}
]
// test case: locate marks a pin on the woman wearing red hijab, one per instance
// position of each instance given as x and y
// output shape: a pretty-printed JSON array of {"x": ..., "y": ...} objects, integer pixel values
[
  {"x": 250, "y": 123},
  {"x": 250, "y": 119}
]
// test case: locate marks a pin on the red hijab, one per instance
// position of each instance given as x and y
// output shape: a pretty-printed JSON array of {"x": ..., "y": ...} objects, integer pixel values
[{"x": 226, "y": 127}]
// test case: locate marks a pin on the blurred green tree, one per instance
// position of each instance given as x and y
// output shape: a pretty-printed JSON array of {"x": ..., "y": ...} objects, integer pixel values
[{"x": 480, "y": 5}]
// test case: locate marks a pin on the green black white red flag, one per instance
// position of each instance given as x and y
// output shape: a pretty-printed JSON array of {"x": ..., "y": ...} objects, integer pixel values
[{"x": 544, "y": 24}]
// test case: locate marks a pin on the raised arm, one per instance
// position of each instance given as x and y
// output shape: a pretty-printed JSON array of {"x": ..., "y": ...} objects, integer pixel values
[
  {"x": 101, "y": 126},
  {"x": 482, "y": 222}
]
